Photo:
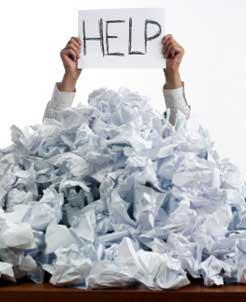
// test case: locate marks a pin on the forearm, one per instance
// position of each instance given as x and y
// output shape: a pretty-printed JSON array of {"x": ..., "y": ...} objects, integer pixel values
[
  {"x": 173, "y": 91},
  {"x": 68, "y": 83},
  {"x": 62, "y": 97},
  {"x": 64, "y": 91},
  {"x": 173, "y": 79}
]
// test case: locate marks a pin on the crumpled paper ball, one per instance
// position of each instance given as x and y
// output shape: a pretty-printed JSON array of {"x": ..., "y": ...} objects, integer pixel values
[{"x": 112, "y": 195}]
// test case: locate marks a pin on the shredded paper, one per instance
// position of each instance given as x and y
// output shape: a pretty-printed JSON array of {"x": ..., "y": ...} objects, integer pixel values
[{"x": 110, "y": 194}]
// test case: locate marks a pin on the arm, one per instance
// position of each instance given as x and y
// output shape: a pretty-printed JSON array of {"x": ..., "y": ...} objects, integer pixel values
[
  {"x": 64, "y": 91},
  {"x": 173, "y": 89}
]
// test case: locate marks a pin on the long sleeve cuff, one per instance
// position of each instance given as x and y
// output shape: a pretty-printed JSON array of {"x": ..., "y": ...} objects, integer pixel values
[
  {"x": 175, "y": 99},
  {"x": 62, "y": 99},
  {"x": 59, "y": 101}
]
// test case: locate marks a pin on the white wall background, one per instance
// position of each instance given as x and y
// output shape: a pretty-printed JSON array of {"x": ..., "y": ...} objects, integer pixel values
[{"x": 214, "y": 67}]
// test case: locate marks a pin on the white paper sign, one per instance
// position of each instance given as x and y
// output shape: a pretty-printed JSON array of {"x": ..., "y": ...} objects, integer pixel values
[{"x": 121, "y": 37}]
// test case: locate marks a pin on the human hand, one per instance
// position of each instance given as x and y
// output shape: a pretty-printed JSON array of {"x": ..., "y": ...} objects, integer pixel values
[
  {"x": 173, "y": 53},
  {"x": 70, "y": 55}
]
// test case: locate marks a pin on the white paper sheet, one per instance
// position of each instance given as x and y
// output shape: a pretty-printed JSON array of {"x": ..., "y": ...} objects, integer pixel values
[
  {"x": 115, "y": 195},
  {"x": 121, "y": 37}
]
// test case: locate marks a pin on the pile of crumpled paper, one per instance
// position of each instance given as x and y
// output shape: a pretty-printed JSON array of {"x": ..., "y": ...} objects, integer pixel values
[{"x": 112, "y": 195}]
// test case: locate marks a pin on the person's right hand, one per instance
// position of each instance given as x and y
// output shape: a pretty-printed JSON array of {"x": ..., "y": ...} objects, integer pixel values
[
  {"x": 173, "y": 53},
  {"x": 70, "y": 55}
]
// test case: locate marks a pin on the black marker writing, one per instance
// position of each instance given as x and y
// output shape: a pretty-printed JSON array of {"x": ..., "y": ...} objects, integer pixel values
[
  {"x": 112, "y": 37},
  {"x": 146, "y": 38},
  {"x": 130, "y": 51},
  {"x": 100, "y": 38}
]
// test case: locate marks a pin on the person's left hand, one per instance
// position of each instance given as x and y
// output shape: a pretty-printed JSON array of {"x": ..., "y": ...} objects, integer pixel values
[{"x": 173, "y": 53}]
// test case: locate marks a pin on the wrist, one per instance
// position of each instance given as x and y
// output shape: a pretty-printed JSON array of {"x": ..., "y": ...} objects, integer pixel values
[
  {"x": 68, "y": 83},
  {"x": 173, "y": 79}
]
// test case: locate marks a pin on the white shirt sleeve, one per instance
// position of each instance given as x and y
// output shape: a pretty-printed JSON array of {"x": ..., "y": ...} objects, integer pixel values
[
  {"x": 59, "y": 101},
  {"x": 175, "y": 100}
]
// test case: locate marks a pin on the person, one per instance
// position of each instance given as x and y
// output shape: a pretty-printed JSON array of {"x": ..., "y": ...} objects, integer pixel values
[{"x": 173, "y": 89}]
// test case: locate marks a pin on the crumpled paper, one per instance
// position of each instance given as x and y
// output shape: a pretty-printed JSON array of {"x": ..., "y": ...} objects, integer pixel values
[{"x": 112, "y": 195}]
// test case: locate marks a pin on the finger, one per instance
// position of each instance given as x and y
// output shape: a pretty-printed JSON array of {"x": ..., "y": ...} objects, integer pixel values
[
  {"x": 170, "y": 43},
  {"x": 69, "y": 53},
  {"x": 166, "y": 37},
  {"x": 166, "y": 54},
  {"x": 166, "y": 48},
  {"x": 172, "y": 49},
  {"x": 173, "y": 52},
  {"x": 170, "y": 46},
  {"x": 166, "y": 51},
  {"x": 73, "y": 47},
  {"x": 73, "y": 44},
  {"x": 78, "y": 40},
  {"x": 166, "y": 43}
]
